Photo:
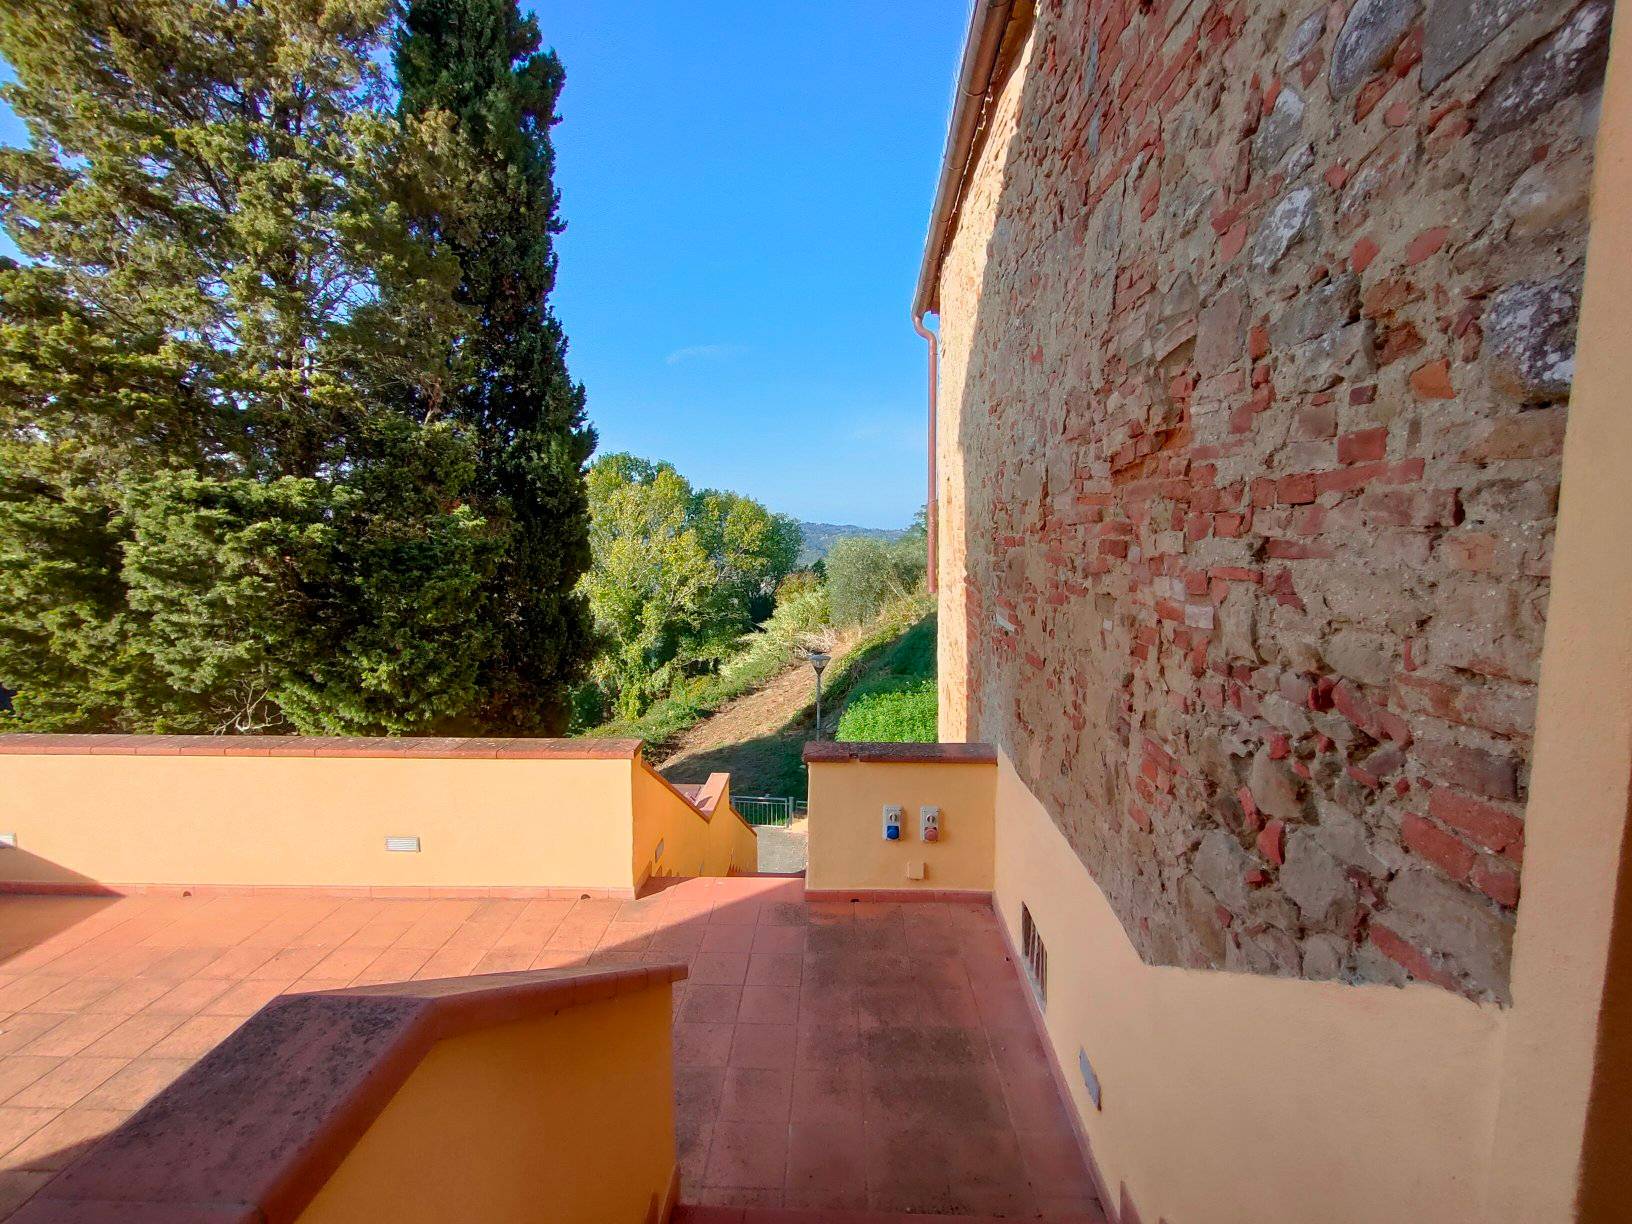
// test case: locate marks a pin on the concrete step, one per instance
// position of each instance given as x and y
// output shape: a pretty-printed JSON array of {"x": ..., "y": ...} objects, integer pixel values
[{"x": 687, "y": 1214}]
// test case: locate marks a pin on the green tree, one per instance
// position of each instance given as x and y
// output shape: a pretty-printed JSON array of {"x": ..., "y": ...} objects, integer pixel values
[
  {"x": 478, "y": 99},
  {"x": 864, "y": 574},
  {"x": 752, "y": 550},
  {"x": 677, "y": 577},
  {"x": 650, "y": 582},
  {"x": 228, "y": 497}
]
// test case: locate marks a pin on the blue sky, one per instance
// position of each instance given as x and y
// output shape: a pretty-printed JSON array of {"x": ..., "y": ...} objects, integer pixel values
[{"x": 746, "y": 187}]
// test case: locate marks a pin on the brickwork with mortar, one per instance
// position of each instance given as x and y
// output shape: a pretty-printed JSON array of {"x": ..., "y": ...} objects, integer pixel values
[{"x": 1257, "y": 342}]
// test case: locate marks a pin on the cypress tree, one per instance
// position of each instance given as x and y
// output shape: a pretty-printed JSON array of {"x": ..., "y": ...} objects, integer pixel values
[
  {"x": 478, "y": 97},
  {"x": 227, "y": 499}
]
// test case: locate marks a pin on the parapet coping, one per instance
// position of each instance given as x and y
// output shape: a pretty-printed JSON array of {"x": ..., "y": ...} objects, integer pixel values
[
  {"x": 258, "y": 1126},
  {"x": 831, "y": 752},
  {"x": 420, "y": 747}
]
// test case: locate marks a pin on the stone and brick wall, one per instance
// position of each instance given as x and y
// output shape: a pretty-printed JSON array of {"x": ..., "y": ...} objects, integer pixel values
[{"x": 1257, "y": 341}]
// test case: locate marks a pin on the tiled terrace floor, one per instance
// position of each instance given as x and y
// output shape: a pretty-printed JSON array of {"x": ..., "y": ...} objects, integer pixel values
[{"x": 827, "y": 1055}]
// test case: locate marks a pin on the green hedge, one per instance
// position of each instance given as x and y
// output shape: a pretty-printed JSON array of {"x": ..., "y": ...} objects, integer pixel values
[{"x": 898, "y": 710}]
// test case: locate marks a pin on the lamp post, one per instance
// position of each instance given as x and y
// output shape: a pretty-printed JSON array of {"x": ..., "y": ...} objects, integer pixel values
[{"x": 818, "y": 661}]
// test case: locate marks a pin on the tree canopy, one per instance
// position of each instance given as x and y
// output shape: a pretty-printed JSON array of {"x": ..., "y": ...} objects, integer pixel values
[
  {"x": 678, "y": 575},
  {"x": 287, "y": 440}
]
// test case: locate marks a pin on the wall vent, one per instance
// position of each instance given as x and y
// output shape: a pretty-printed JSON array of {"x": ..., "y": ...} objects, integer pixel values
[
  {"x": 403, "y": 845},
  {"x": 1036, "y": 955}
]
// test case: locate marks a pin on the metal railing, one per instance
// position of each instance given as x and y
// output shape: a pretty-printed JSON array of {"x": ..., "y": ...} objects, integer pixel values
[{"x": 774, "y": 811}]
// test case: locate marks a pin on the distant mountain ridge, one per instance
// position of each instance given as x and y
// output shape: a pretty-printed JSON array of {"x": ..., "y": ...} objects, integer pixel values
[{"x": 819, "y": 537}]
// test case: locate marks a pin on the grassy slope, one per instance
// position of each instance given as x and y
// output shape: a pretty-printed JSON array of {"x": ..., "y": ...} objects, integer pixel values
[{"x": 902, "y": 643}]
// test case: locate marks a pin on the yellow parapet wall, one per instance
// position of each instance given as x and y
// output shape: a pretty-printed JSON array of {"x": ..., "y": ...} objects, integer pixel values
[
  {"x": 850, "y": 785},
  {"x": 568, "y": 1117},
  {"x": 237, "y": 812},
  {"x": 1216, "y": 1087},
  {"x": 502, "y": 1098},
  {"x": 677, "y": 836}
]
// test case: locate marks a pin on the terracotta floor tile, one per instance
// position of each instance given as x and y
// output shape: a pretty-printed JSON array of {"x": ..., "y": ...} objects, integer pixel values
[
  {"x": 16, "y": 1125},
  {"x": 769, "y": 1005},
  {"x": 59, "y": 1141},
  {"x": 1054, "y": 1162},
  {"x": 505, "y": 960},
  {"x": 707, "y": 1045},
  {"x": 1034, "y": 1102},
  {"x": 956, "y": 1100},
  {"x": 784, "y": 940},
  {"x": 135, "y": 1035},
  {"x": 620, "y": 953},
  {"x": 1005, "y": 1009},
  {"x": 909, "y": 1167},
  {"x": 290, "y": 964},
  {"x": 131, "y": 996},
  {"x": 764, "y": 1045},
  {"x": 73, "y": 1034},
  {"x": 747, "y": 1155},
  {"x": 77, "y": 995},
  {"x": 833, "y": 1007},
  {"x": 735, "y": 913},
  {"x": 559, "y": 958},
  {"x": 448, "y": 962},
  {"x": 829, "y": 1093},
  {"x": 64, "y": 1085},
  {"x": 987, "y": 1161},
  {"x": 24, "y": 993},
  {"x": 773, "y": 968},
  {"x": 195, "y": 1038},
  {"x": 827, "y": 1165},
  {"x": 719, "y": 968},
  {"x": 812, "y": 1040},
  {"x": 245, "y": 998},
  {"x": 18, "y": 1071},
  {"x": 179, "y": 964},
  {"x": 190, "y": 997},
  {"x": 727, "y": 938},
  {"x": 237, "y": 962},
  {"x": 393, "y": 965},
  {"x": 344, "y": 963},
  {"x": 756, "y": 1094},
  {"x": 17, "y": 1186},
  {"x": 751, "y": 1198},
  {"x": 708, "y": 1003},
  {"x": 135, "y": 1084}
]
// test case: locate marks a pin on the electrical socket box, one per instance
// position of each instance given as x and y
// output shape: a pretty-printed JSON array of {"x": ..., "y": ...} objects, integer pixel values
[
  {"x": 929, "y": 823},
  {"x": 892, "y": 822},
  {"x": 915, "y": 869}
]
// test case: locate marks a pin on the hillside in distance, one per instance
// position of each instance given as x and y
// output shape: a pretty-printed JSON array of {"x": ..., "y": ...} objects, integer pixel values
[{"x": 819, "y": 537}]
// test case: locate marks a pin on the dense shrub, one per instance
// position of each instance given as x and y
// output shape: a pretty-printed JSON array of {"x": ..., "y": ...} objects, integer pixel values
[
  {"x": 864, "y": 576},
  {"x": 899, "y": 710}
]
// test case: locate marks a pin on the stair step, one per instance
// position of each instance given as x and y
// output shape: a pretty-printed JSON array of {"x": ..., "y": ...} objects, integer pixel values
[{"x": 689, "y": 1214}]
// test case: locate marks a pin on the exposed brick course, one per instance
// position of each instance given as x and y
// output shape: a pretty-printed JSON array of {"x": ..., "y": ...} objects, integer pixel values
[{"x": 1257, "y": 337}]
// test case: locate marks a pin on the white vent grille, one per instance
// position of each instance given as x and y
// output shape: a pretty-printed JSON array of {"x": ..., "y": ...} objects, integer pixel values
[
  {"x": 403, "y": 845},
  {"x": 1036, "y": 955}
]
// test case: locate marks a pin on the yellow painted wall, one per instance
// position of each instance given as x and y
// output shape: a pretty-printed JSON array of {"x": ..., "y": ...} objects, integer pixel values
[
  {"x": 691, "y": 843},
  {"x": 733, "y": 844},
  {"x": 1240, "y": 1099},
  {"x": 568, "y": 1118},
  {"x": 317, "y": 821},
  {"x": 847, "y": 846},
  {"x": 1561, "y": 1046}
]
